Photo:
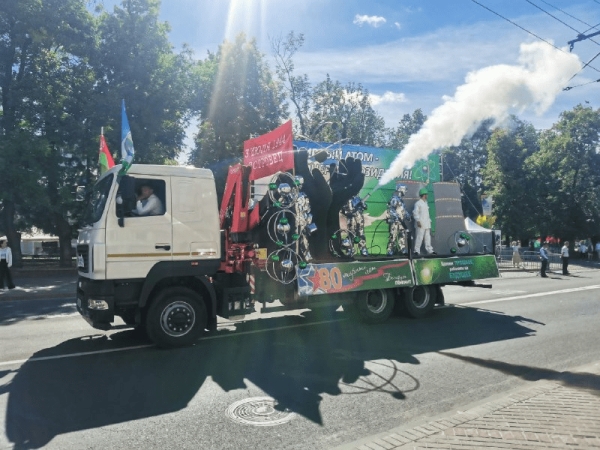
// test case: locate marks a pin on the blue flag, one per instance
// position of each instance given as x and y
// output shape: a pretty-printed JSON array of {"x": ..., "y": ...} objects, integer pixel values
[{"x": 127, "y": 151}]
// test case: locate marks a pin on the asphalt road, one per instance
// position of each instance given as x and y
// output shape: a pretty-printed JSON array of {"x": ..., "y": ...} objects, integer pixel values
[{"x": 332, "y": 381}]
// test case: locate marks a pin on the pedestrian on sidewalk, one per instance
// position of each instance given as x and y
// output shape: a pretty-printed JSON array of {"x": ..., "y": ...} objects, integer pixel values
[
  {"x": 517, "y": 261},
  {"x": 564, "y": 255},
  {"x": 544, "y": 258},
  {"x": 5, "y": 265}
]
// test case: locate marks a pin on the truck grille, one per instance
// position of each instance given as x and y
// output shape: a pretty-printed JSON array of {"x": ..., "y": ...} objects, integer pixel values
[{"x": 83, "y": 258}]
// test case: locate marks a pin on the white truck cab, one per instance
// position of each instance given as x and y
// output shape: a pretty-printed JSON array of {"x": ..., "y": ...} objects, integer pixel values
[{"x": 126, "y": 260}]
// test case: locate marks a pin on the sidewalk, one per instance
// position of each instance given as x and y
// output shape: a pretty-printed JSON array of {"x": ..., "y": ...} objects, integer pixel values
[
  {"x": 558, "y": 413},
  {"x": 39, "y": 284}
]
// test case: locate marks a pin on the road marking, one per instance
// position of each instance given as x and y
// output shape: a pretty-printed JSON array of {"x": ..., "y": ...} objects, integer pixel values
[
  {"x": 507, "y": 292},
  {"x": 112, "y": 350},
  {"x": 538, "y": 294},
  {"x": 72, "y": 355}
]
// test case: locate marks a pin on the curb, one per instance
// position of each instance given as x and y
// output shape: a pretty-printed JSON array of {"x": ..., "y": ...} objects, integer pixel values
[
  {"x": 57, "y": 293},
  {"x": 31, "y": 273},
  {"x": 402, "y": 437},
  {"x": 408, "y": 436}
]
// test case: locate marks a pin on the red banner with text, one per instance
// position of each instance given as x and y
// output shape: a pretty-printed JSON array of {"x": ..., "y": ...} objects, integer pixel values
[{"x": 271, "y": 152}]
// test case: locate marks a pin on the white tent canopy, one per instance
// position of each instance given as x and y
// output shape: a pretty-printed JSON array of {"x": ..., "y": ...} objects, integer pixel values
[{"x": 472, "y": 226}]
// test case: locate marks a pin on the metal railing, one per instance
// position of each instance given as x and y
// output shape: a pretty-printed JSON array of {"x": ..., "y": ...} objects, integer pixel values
[{"x": 530, "y": 259}]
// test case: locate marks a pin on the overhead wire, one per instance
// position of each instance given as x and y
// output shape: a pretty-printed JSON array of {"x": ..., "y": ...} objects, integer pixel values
[
  {"x": 540, "y": 38},
  {"x": 591, "y": 27},
  {"x": 564, "y": 23},
  {"x": 568, "y": 88},
  {"x": 554, "y": 17},
  {"x": 519, "y": 26},
  {"x": 587, "y": 64}
]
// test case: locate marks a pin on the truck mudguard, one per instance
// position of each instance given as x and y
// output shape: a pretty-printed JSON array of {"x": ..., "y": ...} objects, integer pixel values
[{"x": 199, "y": 269}]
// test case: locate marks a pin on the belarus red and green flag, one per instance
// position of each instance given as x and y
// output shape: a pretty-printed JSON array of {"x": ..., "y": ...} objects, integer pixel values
[{"x": 105, "y": 159}]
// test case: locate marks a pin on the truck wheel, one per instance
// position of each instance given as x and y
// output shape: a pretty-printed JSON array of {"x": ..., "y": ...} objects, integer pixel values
[
  {"x": 176, "y": 318},
  {"x": 372, "y": 306},
  {"x": 419, "y": 301}
]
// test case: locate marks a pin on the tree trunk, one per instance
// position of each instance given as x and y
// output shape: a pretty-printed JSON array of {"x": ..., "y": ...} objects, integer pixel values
[
  {"x": 64, "y": 242},
  {"x": 13, "y": 236}
]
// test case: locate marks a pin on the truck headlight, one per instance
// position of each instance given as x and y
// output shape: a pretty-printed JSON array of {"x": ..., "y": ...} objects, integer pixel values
[{"x": 98, "y": 305}]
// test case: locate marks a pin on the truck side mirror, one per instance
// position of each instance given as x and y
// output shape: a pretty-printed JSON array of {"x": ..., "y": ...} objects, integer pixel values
[{"x": 126, "y": 198}]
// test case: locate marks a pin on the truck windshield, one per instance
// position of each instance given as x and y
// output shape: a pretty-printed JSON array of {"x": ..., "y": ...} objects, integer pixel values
[{"x": 98, "y": 200}]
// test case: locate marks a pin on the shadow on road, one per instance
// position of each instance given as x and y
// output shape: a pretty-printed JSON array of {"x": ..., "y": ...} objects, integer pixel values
[
  {"x": 14, "y": 312},
  {"x": 295, "y": 366},
  {"x": 574, "y": 379}
]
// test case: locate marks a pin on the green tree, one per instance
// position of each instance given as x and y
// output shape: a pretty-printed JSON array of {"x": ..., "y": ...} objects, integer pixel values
[
  {"x": 136, "y": 62},
  {"x": 409, "y": 124},
  {"x": 328, "y": 111},
  {"x": 348, "y": 112},
  {"x": 509, "y": 181},
  {"x": 464, "y": 164},
  {"x": 243, "y": 100},
  {"x": 566, "y": 171},
  {"x": 37, "y": 37},
  {"x": 297, "y": 88}
]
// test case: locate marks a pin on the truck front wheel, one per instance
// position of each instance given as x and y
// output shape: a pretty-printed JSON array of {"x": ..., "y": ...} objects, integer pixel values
[
  {"x": 419, "y": 301},
  {"x": 176, "y": 318},
  {"x": 372, "y": 306}
]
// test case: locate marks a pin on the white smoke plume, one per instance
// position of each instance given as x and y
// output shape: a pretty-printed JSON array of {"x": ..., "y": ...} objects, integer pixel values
[{"x": 493, "y": 92}]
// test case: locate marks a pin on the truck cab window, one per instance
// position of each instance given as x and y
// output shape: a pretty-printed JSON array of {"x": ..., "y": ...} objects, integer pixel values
[
  {"x": 150, "y": 194},
  {"x": 98, "y": 198}
]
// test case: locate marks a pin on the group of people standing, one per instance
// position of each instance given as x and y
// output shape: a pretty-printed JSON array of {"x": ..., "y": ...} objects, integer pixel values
[{"x": 517, "y": 261}]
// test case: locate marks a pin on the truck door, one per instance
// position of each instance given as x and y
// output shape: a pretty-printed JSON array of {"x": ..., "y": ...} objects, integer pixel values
[
  {"x": 196, "y": 233},
  {"x": 144, "y": 240}
]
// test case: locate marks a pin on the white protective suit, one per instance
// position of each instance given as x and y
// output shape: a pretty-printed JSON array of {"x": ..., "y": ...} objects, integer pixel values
[{"x": 421, "y": 215}]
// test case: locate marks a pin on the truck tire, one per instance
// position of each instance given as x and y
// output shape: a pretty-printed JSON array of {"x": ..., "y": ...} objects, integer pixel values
[
  {"x": 372, "y": 306},
  {"x": 177, "y": 317},
  {"x": 419, "y": 301}
]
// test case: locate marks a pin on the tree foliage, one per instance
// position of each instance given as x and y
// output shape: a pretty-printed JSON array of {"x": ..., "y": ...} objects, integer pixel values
[
  {"x": 243, "y": 100},
  {"x": 464, "y": 164},
  {"x": 297, "y": 88},
  {"x": 407, "y": 126},
  {"x": 43, "y": 54},
  {"x": 136, "y": 62},
  {"x": 566, "y": 171},
  {"x": 509, "y": 180},
  {"x": 327, "y": 111}
]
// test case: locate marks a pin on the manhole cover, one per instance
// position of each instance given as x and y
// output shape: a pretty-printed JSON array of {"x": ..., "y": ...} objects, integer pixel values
[{"x": 258, "y": 411}]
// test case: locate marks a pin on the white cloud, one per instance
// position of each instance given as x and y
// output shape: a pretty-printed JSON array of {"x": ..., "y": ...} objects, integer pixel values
[
  {"x": 388, "y": 97},
  {"x": 397, "y": 24},
  {"x": 374, "y": 21}
]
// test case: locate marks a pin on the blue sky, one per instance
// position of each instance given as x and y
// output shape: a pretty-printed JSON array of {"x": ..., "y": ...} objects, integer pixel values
[{"x": 409, "y": 54}]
